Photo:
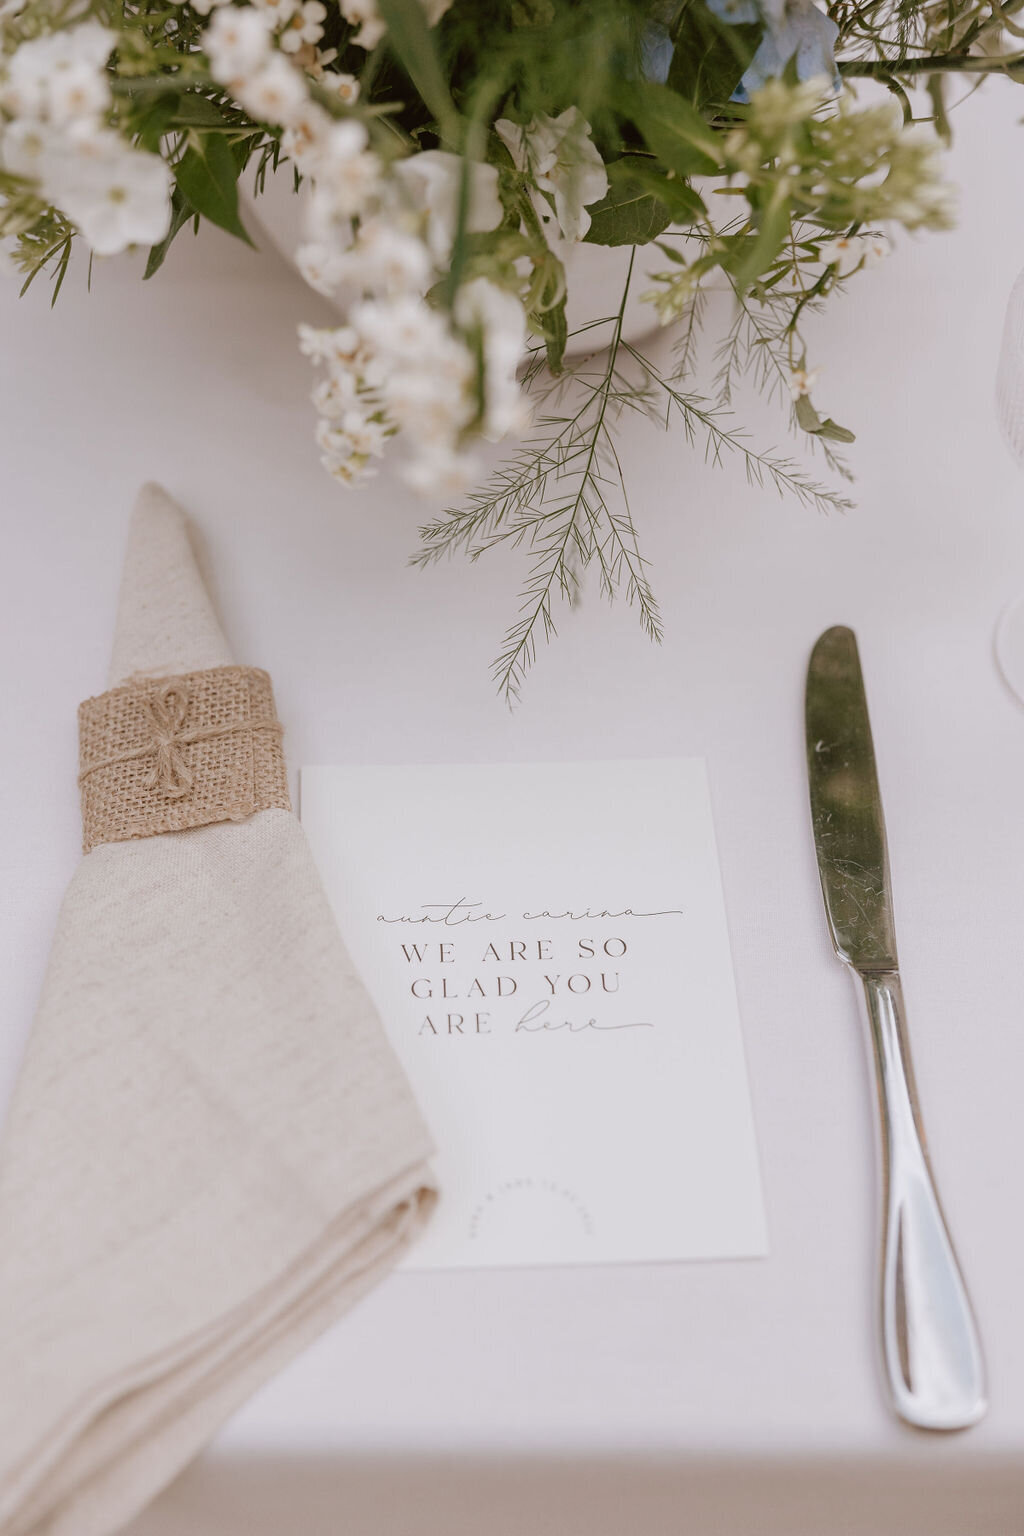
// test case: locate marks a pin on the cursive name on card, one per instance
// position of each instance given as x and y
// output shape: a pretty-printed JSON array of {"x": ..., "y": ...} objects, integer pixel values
[{"x": 506, "y": 974}]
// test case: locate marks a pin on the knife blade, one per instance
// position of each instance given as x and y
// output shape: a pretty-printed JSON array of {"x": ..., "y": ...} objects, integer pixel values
[{"x": 930, "y": 1346}]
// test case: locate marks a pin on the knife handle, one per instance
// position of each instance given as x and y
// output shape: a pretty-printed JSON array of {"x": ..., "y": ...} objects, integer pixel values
[{"x": 929, "y": 1338}]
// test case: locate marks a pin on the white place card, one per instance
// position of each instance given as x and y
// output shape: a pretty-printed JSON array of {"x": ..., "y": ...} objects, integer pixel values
[{"x": 547, "y": 947}]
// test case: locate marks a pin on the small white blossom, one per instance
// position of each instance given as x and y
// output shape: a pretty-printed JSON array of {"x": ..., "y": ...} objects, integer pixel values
[
  {"x": 34, "y": 73},
  {"x": 404, "y": 329},
  {"x": 117, "y": 196},
  {"x": 802, "y": 381},
  {"x": 305, "y": 26},
  {"x": 336, "y": 394},
  {"x": 560, "y": 155},
  {"x": 322, "y": 266},
  {"x": 366, "y": 435},
  {"x": 31, "y": 149},
  {"x": 305, "y": 136},
  {"x": 432, "y": 181},
  {"x": 345, "y": 141},
  {"x": 204, "y": 7},
  {"x": 441, "y": 471},
  {"x": 76, "y": 92},
  {"x": 845, "y": 253},
  {"x": 341, "y": 345},
  {"x": 388, "y": 260},
  {"x": 347, "y": 176},
  {"x": 345, "y": 87},
  {"x": 275, "y": 94},
  {"x": 364, "y": 15},
  {"x": 237, "y": 42},
  {"x": 277, "y": 12}
]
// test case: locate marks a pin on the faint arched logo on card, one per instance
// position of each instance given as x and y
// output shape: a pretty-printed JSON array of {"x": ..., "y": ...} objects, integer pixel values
[{"x": 530, "y": 1208}]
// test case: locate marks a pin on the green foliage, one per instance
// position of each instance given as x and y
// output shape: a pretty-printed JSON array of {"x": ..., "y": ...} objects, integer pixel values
[
  {"x": 207, "y": 178},
  {"x": 642, "y": 201},
  {"x": 746, "y": 194},
  {"x": 710, "y": 56}
]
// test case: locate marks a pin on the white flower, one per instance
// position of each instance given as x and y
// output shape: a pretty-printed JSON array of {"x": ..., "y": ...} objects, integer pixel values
[
  {"x": 388, "y": 260},
  {"x": 802, "y": 381},
  {"x": 78, "y": 91},
  {"x": 347, "y": 176},
  {"x": 404, "y": 329},
  {"x": 560, "y": 155},
  {"x": 323, "y": 267},
  {"x": 346, "y": 87},
  {"x": 237, "y": 42},
  {"x": 351, "y": 471},
  {"x": 87, "y": 43},
  {"x": 335, "y": 395},
  {"x": 35, "y": 72},
  {"x": 366, "y": 436},
  {"x": 502, "y": 323},
  {"x": 364, "y": 15},
  {"x": 433, "y": 181},
  {"x": 204, "y": 7},
  {"x": 845, "y": 253},
  {"x": 275, "y": 94},
  {"x": 340, "y": 345},
  {"x": 429, "y": 411},
  {"x": 345, "y": 141},
  {"x": 116, "y": 195},
  {"x": 306, "y": 26},
  {"x": 277, "y": 12},
  {"x": 441, "y": 471},
  {"x": 30, "y": 149},
  {"x": 305, "y": 136}
]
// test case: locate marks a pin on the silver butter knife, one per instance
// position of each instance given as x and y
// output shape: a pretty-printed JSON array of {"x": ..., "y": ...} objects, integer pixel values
[{"x": 930, "y": 1343}]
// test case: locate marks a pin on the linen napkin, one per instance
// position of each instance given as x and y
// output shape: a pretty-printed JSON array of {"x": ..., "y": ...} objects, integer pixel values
[{"x": 211, "y": 1152}]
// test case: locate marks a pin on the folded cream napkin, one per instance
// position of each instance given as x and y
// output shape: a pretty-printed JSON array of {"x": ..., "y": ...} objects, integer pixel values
[{"x": 211, "y": 1152}]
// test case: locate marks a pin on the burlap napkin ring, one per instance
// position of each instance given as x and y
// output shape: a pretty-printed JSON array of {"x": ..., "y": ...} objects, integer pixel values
[{"x": 164, "y": 754}]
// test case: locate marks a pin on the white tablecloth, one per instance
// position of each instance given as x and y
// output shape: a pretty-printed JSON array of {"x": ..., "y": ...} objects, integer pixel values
[{"x": 745, "y": 1393}]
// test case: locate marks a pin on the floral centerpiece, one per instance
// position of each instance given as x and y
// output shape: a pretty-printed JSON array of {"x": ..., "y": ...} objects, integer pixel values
[{"x": 451, "y": 156}]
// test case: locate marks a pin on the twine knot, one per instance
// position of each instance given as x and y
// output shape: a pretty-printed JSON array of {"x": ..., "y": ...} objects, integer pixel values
[{"x": 167, "y": 710}]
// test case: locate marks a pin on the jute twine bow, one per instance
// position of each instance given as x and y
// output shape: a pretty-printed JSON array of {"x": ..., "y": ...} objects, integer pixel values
[
  {"x": 167, "y": 710},
  {"x": 241, "y": 771}
]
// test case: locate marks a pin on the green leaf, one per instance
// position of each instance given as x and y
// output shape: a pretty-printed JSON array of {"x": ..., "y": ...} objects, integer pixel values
[
  {"x": 207, "y": 175},
  {"x": 412, "y": 42},
  {"x": 937, "y": 92},
  {"x": 711, "y": 55},
  {"x": 181, "y": 212},
  {"x": 154, "y": 121},
  {"x": 556, "y": 334},
  {"x": 807, "y": 417},
  {"x": 640, "y": 203},
  {"x": 630, "y": 214},
  {"x": 672, "y": 128},
  {"x": 755, "y": 253},
  {"x": 836, "y": 434},
  {"x": 195, "y": 111}
]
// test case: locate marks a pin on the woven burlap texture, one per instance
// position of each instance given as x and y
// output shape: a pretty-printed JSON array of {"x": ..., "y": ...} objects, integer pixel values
[{"x": 164, "y": 754}]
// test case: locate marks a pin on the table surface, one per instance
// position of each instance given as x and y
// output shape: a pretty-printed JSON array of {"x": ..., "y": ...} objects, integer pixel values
[{"x": 194, "y": 379}]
